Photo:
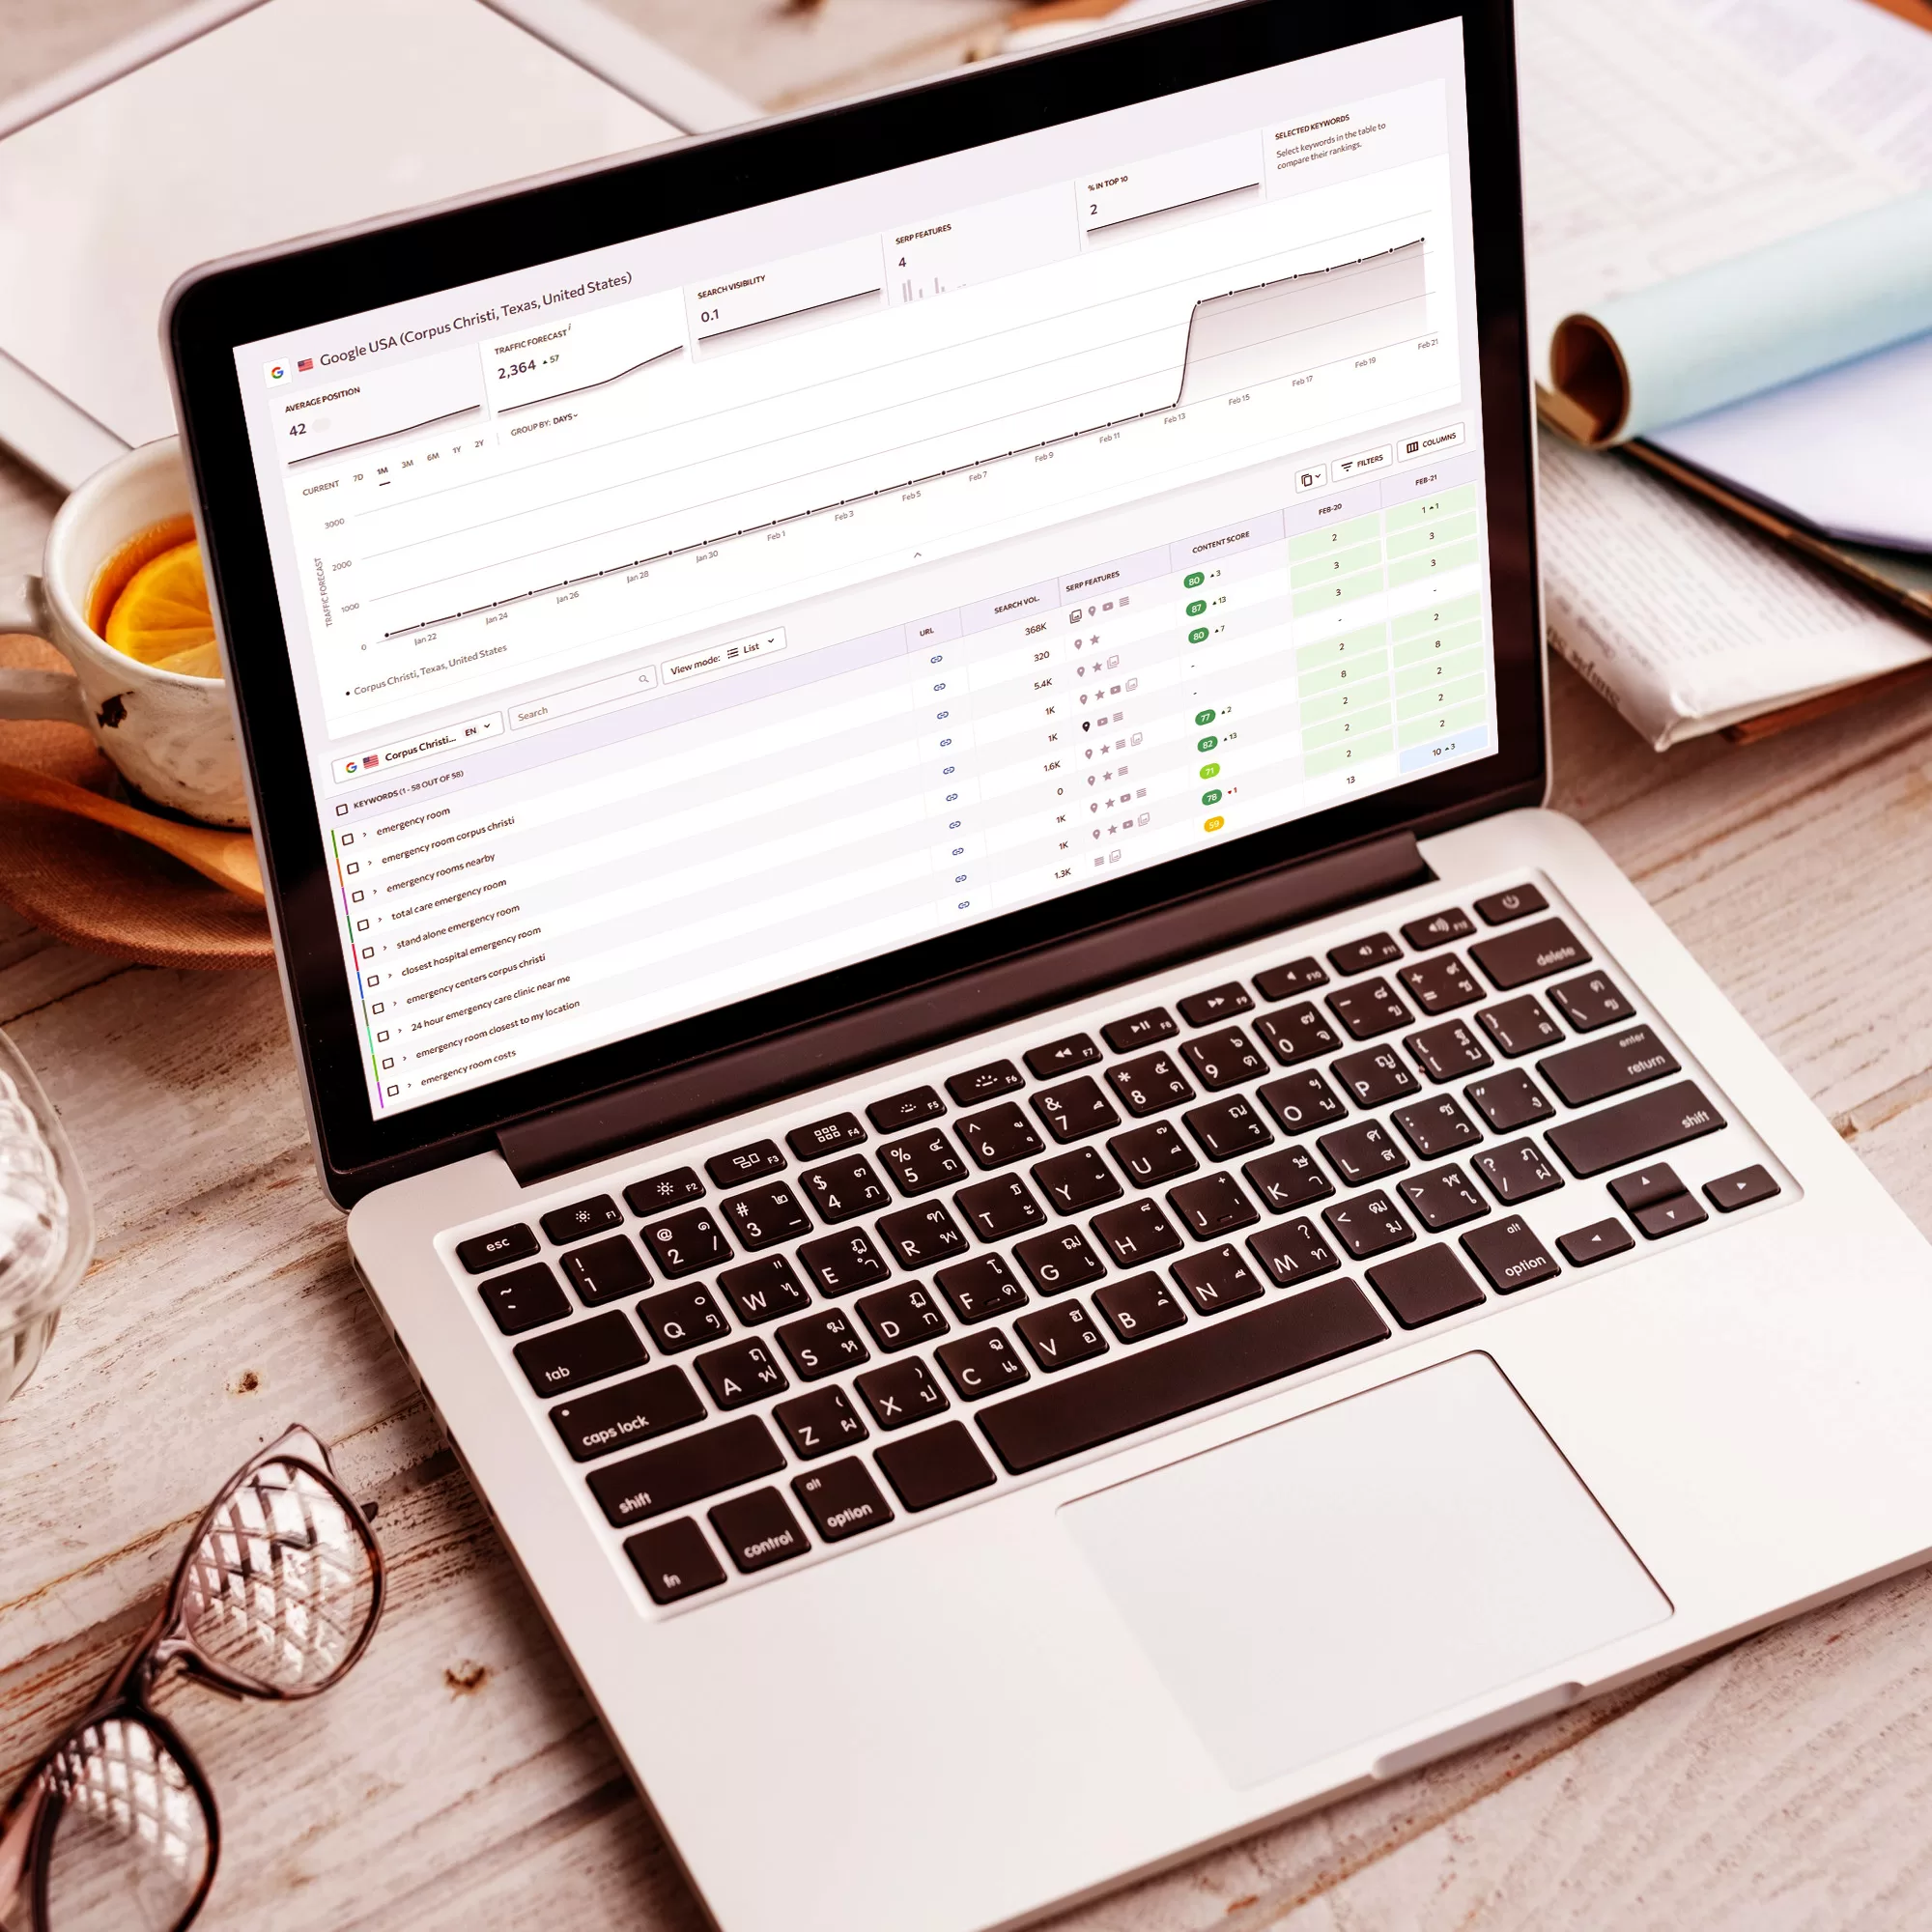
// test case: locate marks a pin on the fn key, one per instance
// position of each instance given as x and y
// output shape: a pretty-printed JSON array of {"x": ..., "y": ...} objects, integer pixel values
[{"x": 674, "y": 1561}]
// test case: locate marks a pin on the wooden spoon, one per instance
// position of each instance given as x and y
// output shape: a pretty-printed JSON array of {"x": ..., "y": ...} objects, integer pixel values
[{"x": 228, "y": 858}]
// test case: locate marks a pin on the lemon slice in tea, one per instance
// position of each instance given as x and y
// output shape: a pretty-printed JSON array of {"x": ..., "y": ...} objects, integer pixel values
[{"x": 162, "y": 618}]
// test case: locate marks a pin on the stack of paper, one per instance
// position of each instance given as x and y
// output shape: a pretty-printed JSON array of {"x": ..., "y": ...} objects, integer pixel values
[
  {"x": 1688, "y": 621},
  {"x": 1660, "y": 137}
]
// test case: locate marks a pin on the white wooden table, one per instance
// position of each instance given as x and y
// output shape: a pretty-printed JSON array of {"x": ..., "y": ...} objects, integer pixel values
[{"x": 458, "y": 1779}]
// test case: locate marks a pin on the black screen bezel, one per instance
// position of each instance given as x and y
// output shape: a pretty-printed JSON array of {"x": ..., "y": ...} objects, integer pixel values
[{"x": 215, "y": 309}]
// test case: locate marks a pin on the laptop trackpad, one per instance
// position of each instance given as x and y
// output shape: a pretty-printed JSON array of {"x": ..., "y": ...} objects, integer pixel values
[{"x": 1348, "y": 1574}]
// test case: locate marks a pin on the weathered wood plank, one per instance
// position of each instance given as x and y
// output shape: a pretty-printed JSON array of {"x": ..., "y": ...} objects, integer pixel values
[
  {"x": 171, "y": 1084},
  {"x": 35, "y": 971},
  {"x": 1781, "y": 1786}
]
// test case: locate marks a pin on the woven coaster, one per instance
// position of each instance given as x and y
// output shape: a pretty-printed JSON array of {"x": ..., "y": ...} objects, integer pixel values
[{"x": 96, "y": 888}]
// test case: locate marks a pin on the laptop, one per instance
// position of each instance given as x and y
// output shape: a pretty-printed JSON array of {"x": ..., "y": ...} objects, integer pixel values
[{"x": 900, "y": 758}]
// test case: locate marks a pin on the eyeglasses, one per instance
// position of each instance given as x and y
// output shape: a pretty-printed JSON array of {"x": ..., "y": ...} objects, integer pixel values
[{"x": 115, "y": 1828}]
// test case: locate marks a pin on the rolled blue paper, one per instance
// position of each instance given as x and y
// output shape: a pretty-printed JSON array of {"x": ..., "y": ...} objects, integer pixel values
[{"x": 1717, "y": 334}]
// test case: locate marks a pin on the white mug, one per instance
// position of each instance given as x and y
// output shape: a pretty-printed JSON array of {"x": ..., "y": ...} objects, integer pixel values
[{"x": 168, "y": 734}]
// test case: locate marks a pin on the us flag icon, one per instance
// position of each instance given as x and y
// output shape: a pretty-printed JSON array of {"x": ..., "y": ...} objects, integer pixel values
[{"x": 307, "y": 362}]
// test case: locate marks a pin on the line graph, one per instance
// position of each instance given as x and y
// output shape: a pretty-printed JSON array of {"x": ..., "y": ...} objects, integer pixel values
[
  {"x": 792, "y": 322},
  {"x": 1252, "y": 335},
  {"x": 1233, "y": 342},
  {"x": 387, "y": 436},
  {"x": 1158, "y": 220},
  {"x": 586, "y": 388}
]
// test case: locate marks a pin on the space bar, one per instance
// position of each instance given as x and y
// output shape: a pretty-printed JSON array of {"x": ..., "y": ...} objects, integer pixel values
[{"x": 1159, "y": 1383}]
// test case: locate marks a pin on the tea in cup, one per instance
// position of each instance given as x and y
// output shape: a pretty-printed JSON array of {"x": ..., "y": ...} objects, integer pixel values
[
  {"x": 150, "y": 601},
  {"x": 117, "y": 567}
]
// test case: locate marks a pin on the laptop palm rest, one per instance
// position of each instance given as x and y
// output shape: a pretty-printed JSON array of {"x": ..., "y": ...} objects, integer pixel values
[{"x": 1348, "y": 1574}]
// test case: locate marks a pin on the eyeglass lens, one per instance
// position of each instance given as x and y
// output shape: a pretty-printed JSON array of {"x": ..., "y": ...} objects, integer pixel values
[
  {"x": 130, "y": 1840},
  {"x": 282, "y": 1588}
]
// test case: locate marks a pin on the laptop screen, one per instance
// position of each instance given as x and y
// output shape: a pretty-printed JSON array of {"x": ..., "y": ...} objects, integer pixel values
[{"x": 712, "y": 611}]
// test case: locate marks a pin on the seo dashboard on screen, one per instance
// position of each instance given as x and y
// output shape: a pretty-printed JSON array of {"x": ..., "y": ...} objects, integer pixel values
[{"x": 684, "y": 621}]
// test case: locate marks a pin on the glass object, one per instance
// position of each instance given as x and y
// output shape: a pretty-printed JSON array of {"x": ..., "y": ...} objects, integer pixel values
[
  {"x": 115, "y": 1828},
  {"x": 46, "y": 1231}
]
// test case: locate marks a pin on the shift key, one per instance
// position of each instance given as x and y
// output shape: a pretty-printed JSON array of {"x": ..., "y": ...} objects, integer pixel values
[
  {"x": 1613, "y": 1063},
  {"x": 1636, "y": 1129},
  {"x": 688, "y": 1472}
]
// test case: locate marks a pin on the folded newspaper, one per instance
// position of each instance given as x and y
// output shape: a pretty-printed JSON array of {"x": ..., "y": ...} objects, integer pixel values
[
  {"x": 1685, "y": 620},
  {"x": 1660, "y": 138}
]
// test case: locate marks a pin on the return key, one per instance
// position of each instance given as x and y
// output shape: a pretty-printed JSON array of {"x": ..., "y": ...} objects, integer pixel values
[{"x": 1612, "y": 1065}]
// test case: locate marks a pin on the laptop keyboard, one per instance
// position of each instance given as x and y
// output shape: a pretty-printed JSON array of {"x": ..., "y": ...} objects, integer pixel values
[{"x": 819, "y": 1333}]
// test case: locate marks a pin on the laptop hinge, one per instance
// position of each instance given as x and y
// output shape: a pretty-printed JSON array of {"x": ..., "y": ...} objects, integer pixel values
[{"x": 687, "y": 1095}]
